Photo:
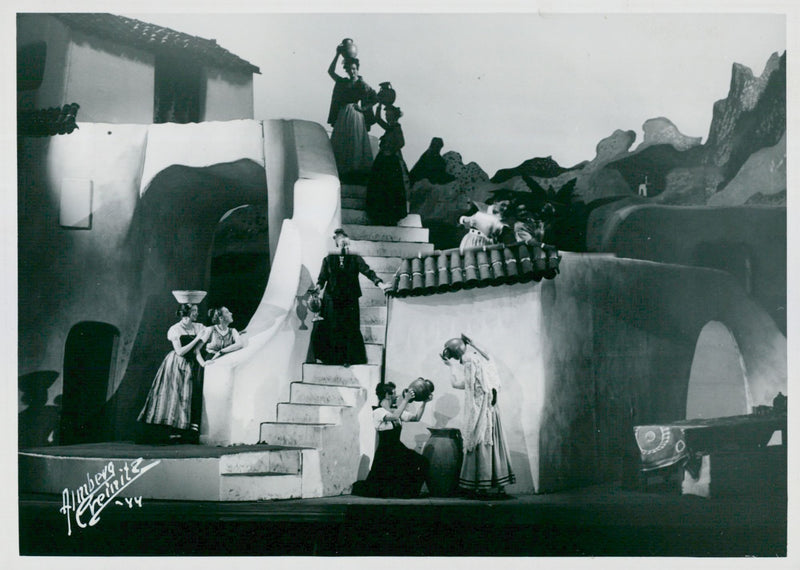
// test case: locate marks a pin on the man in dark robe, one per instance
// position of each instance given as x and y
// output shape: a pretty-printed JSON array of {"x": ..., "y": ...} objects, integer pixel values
[{"x": 337, "y": 339}]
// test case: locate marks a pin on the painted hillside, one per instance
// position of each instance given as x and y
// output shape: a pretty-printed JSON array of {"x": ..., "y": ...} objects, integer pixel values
[{"x": 742, "y": 162}]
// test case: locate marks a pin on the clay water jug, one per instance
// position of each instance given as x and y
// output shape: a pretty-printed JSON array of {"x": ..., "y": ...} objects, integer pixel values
[
  {"x": 443, "y": 452},
  {"x": 348, "y": 48},
  {"x": 423, "y": 388},
  {"x": 387, "y": 94}
]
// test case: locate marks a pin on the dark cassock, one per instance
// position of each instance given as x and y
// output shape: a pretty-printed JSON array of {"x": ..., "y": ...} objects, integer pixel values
[{"x": 337, "y": 339}]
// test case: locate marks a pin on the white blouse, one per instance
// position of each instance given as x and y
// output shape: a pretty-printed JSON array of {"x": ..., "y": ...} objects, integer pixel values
[{"x": 381, "y": 424}]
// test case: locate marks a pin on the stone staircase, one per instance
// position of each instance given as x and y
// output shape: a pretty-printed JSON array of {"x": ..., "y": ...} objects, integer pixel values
[{"x": 329, "y": 405}]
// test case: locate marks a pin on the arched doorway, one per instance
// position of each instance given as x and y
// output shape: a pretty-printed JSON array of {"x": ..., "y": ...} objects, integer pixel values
[
  {"x": 171, "y": 243},
  {"x": 239, "y": 262},
  {"x": 717, "y": 381},
  {"x": 90, "y": 355}
]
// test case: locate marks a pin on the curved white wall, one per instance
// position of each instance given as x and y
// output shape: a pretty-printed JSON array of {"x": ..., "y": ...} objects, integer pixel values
[{"x": 244, "y": 389}]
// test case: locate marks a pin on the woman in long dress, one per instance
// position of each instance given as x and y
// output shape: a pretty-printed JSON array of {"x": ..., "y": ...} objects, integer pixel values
[
  {"x": 487, "y": 463},
  {"x": 351, "y": 99},
  {"x": 397, "y": 471},
  {"x": 387, "y": 190},
  {"x": 220, "y": 340},
  {"x": 168, "y": 408}
]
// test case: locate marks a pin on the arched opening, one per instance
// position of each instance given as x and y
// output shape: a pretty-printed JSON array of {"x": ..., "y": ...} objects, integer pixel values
[
  {"x": 239, "y": 262},
  {"x": 90, "y": 354},
  {"x": 717, "y": 382},
  {"x": 171, "y": 243}
]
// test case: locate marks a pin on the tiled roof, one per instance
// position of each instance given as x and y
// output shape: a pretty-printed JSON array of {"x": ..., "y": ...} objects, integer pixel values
[
  {"x": 451, "y": 270},
  {"x": 158, "y": 39}
]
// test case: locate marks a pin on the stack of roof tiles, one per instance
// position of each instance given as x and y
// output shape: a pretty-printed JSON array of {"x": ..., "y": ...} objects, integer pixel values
[
  {"x": 451, "y": 270},
  {"x": 157, "y": 39}
]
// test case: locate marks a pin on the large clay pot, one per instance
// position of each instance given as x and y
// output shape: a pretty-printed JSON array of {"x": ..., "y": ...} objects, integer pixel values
[{"x": 443, "y": 452}]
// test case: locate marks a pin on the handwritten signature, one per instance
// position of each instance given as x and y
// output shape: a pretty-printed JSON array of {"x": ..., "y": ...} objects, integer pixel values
[{"x": 100, "y": 491}]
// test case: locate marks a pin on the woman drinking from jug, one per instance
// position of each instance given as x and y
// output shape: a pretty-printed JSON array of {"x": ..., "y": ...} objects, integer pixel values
[
  {"x": 487, "y": 464},
  {"x": 397, "y": 471}
]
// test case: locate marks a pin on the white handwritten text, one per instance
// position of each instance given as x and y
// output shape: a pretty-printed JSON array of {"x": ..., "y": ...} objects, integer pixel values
[{"x": 100, "y": 491}]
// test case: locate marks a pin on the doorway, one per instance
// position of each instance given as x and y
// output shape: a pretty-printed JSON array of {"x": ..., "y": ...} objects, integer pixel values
[
  {"x": 90, "y": 354},
  {"x": 239, "y": 263}
]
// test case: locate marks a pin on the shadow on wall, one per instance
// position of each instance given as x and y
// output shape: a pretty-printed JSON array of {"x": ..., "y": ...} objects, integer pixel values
[
  {"x": 38, "y": 424},
  {"x": 169, "y": 243}
]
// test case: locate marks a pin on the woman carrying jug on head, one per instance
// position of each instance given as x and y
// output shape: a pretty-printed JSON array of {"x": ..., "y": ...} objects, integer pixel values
[
  {"x": 350, "y": 100},
  {"x": 168, "y": 408}
]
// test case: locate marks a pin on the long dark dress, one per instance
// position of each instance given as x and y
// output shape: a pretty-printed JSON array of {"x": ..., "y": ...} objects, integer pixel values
[
  {"x": 337, "y": 339},
  {"x": 169, "y": 402},
  {"x": 387, "y": 190},
  {"x": 397, "y": 471},
  {"x": 349, "y": 139}
]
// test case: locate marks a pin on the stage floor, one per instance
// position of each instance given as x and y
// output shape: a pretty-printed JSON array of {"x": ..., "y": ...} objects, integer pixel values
[
  {"x": 593, "y": 521},
  {"x": 600, "y": 520}
]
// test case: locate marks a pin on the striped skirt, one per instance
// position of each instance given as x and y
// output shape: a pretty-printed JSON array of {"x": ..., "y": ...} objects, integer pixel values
[
  {"x": 169, "y": 401},
  {"x": 487, "y": 465}
]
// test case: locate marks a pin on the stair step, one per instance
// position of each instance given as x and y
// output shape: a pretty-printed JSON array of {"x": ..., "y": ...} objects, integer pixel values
[
  {"x": 374, "y": 333},
  {"x": 351, "y": 216},
  {"x": 373, "y": 315},
  {"x": 411, "y": 221},
  {"x": 354, "y": 203},
  {"x": 358, "y": 375},
  {"x": 260, "y": 487},
  {"x": 309, "y": 413},
  {"x": 307, "y": 393},
  {"x": 383, "y": 264},
  {"x": 276, "y": 461},
  {"x": 294, "y": 434},
  {"x": 386, "y": 233},
  {"x": 389, "y": 249},
  {"x": 354, "y": 191},
  {"x": 374, "y": 353}
]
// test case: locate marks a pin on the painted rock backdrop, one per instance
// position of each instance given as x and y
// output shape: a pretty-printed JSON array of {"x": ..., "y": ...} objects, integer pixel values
[{"x": 742, "y": 162}]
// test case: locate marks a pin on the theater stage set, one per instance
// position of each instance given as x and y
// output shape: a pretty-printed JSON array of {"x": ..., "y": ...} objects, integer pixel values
[{"x": 586, "y": 354}]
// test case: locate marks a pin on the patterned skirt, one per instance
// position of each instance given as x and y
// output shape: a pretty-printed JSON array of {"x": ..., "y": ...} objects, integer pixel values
[
  {"x": 488, "y": 465},
  {"x": 169, "y": 401}
]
